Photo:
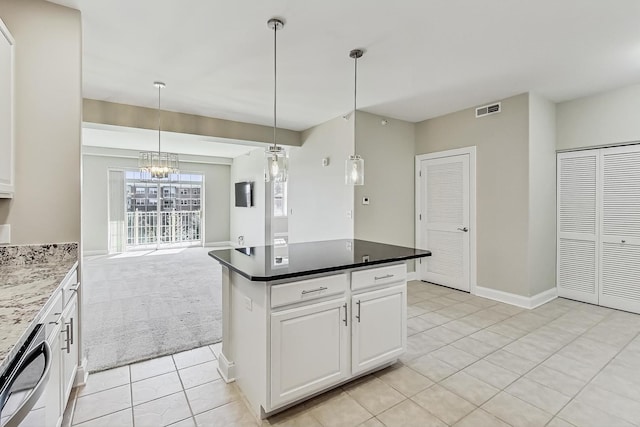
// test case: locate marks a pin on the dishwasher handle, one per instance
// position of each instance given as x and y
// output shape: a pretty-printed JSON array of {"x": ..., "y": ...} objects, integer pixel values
[{"x": 30, "y": 401}]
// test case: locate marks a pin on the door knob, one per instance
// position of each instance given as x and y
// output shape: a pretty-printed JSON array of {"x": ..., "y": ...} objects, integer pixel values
[{"x": 465, "y": 229}]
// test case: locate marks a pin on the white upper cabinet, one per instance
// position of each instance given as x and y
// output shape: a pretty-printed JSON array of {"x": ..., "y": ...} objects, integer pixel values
[{"x": 7, "y": 153}]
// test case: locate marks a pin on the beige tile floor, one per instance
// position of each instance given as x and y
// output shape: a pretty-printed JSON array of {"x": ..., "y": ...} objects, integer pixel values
[{"x": 470, "y": 362}]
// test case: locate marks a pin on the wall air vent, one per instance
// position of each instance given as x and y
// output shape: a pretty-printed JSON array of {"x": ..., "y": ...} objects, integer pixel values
[{"x": 488, "y": 110}]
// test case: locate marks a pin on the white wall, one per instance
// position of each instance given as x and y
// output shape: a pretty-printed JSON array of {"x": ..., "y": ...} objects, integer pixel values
[
  {"x": 542, "y": 194},
  {"x": 318, "y": 196},
  {"x": 602, "y": 119},
  {"x": 95, "y": 198},
  {"x": 48, "y": 107},
  {"x": 248, "y": 222}
]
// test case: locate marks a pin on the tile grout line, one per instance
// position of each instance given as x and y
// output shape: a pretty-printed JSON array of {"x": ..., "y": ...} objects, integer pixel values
[
  {"x": 184, "y": 391},
  {"x": 133, "y": 419}
]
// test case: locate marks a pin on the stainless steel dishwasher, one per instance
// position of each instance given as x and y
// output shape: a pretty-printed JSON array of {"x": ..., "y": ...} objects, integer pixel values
[{"x": 22, "y": 384}]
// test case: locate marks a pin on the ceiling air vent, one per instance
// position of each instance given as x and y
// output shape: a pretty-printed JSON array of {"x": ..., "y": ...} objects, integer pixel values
[{"x": 488, "y": 109}]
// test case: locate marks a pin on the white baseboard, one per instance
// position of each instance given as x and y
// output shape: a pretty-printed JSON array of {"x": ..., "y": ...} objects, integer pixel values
[
  {"x": 218, "y": 244},
  {"x": 412, "y": 275},
  {"x": 82, "y": 374},
  {"x": 94, "y": 253},
  {"x": 519, "y": 300},
  {"x": 226, "y": 369}
]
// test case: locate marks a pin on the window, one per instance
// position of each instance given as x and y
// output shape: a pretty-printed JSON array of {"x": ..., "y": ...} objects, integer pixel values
[
  {"x": 166, "y": 212},
  {"x": 279, "y": 199}
]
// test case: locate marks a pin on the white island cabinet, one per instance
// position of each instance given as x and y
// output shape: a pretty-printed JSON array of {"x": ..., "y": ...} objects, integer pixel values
[{"x": 286, "y": 339}]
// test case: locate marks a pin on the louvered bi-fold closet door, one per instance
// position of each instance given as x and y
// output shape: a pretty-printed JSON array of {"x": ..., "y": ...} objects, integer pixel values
[
  {"x": 620, "y": 229},
  {"x": 577, "y": 204}
]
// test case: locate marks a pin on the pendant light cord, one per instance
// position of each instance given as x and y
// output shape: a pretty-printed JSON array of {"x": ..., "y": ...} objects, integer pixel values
[
  {"x": 275, "y": 81},
  {"x": 355, "y": 97},
  {"x": 159, "y": 123}
]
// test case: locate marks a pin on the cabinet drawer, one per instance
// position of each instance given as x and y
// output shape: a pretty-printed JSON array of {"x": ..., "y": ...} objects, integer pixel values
[
  {"x": 51, "y": 318},
  {"x": 307, "y": 290},
  {"x": 69, "y": 287},
  {"x": 378, "y": 276}
]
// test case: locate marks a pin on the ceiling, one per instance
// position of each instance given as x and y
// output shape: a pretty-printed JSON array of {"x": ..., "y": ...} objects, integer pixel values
[{"x": 423, "y": 58}]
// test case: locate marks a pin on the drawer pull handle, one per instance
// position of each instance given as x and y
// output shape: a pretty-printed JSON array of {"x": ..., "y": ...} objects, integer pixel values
[
  {"x": 386, "y": 276},
  {"x": 320, "y": 289},
  {"x": 345, "y": 315}
]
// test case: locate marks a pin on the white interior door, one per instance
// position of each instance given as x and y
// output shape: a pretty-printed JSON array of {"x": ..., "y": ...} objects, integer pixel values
[
  {"x": 619, "y": 269},
  {"x": 577, "y": 217},
  {"x": 444, "y": 219}
]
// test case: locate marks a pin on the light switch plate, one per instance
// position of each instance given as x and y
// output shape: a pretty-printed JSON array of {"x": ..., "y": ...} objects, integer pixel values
[{"x": 5, "y": 233}]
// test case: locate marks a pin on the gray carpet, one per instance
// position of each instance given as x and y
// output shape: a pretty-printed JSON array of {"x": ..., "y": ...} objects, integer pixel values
[{"x": 141, "y": 305}]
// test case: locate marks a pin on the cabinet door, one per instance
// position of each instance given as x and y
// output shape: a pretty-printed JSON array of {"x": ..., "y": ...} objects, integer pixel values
[
  {"x": 6, "y": 113},
  {"x": 69, "y": 347},
  {"x": 379, "y": 327},
  {"x": 52, "y": 396},
  {"x": 309, "y": 350}
]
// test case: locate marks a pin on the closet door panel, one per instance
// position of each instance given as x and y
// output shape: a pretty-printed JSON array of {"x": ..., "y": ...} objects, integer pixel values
[
  {"x": 577, "y": 216},
  {"x": 619, "y": 278}
]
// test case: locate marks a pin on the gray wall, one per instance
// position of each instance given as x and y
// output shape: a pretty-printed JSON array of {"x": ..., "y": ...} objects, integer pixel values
[
  {"x": 502, "y": 181},
  {"x": 389, "y": 155},
  {"x": 542, "y": 194},
  {"x": 95, "y": 197},
  {"x": 602, "y": 119},
  {"x": 318, "y": 194},
  {"x": 48, "y": 102}
]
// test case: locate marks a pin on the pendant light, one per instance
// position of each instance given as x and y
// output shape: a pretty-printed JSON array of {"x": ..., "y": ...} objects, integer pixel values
[
  {"x": 354, "y": 165},
  {"x": 156, "y": 163},
  {"x": 276, "y": 157}
]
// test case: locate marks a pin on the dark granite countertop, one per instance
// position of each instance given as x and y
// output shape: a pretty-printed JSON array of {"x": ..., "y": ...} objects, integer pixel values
[
  {"x": 29, "y": 275},
  {"x": 273, "y": 262}
]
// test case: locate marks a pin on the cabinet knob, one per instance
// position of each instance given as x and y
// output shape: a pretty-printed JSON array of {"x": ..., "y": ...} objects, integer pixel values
[{"x": 623, "y": 241}]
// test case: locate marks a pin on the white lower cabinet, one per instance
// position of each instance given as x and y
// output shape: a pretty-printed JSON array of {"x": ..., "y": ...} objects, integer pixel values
[
  {"x": 69, "y": 347},
  {"x": 309, "y": 350},
  {"x": 336, "y": 334},
  {"x": 61, "y": 326},
  {"x": 52, "y": 395},
  {"x": 379, "y": 324}
]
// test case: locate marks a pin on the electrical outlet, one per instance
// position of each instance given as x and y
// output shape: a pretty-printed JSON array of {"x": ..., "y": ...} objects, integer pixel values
[
  {"x": 5, "y": 233},
  {"x": 349, "y": 214},
  {"x": 248, "y": 304}
]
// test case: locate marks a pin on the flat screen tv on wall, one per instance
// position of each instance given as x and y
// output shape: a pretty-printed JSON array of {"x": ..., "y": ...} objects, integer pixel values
[{"x": 244, "y": 194}]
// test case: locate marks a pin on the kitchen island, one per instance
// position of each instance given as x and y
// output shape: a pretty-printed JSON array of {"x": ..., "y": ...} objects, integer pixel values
[{"x": 302, "y": 318}]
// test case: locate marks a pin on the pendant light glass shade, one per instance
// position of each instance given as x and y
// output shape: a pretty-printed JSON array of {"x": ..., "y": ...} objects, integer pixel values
[
  {"x": 157, "y": 164},
  {"x": 276, "y": 161},
  {"x": 277, "y": 164},
  {"x": 354, "y": 170},
  {"x": 354, "y": 165}
]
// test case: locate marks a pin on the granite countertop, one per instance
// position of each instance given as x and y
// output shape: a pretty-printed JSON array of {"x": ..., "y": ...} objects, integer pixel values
[
  {"x": 273, "y": 262},
  {"x": 29, "y": 275}
]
